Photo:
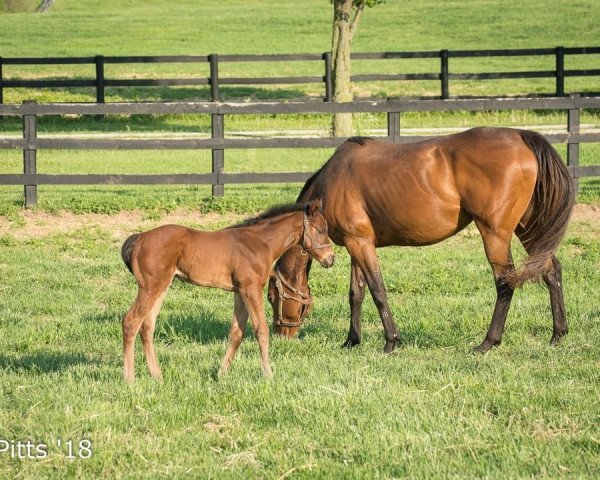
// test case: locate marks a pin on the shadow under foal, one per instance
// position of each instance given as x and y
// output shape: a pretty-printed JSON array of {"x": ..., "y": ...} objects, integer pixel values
[{"x": 238, "y": 259}]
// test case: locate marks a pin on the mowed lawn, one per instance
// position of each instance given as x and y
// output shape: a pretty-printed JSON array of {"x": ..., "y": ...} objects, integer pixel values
[{"x": 432, "y": 409}]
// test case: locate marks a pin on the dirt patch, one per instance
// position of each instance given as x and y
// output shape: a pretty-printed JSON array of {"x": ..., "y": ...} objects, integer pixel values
[
  {"x": 587, "y": 213},
  {"x": 36, "y": 224}
]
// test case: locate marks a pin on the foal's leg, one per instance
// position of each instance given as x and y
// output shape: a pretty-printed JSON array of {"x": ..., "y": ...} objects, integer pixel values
[
  {"x": 253, "y": 299},
  {"x": 363, "y": 254},
  {"x": 356, "y": 297},
  {"x": 236, "y": 334},
  {"x": 497, "y": 250},
  {"x": 147, "y": 336},
  {"x": 143, "y": 306}
]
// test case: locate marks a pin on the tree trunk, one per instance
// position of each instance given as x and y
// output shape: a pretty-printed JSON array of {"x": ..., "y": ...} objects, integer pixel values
[{"x": 343, "y": 32}]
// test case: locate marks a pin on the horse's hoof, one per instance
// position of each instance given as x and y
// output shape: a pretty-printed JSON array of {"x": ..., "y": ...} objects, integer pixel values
[
  {"x": 390, "y": 346},
  {"x": 350, "y": 342},
  {"x": 484, "y": 347},
  {"x": 557, "y": 337}
]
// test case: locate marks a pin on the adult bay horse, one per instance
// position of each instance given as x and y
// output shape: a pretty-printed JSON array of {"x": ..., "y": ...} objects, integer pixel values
[
  {"x": 377, "y": 194},
  {"x": 236, "y": 259}
]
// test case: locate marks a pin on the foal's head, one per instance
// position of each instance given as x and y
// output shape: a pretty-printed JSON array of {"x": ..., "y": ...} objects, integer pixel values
[{"x": 315, "y": 240}]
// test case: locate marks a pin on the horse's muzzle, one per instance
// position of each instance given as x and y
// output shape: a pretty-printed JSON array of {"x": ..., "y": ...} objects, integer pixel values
[{"x": 328, "y": 261}]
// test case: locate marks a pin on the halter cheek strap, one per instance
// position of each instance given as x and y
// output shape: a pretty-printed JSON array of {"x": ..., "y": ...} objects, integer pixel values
[{"x": 305, "y": 239}]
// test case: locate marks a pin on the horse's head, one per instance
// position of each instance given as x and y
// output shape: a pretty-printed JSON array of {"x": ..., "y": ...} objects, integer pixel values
[
  {"x": 291, "y": 303},
  {"x": 289, "y": 293}
]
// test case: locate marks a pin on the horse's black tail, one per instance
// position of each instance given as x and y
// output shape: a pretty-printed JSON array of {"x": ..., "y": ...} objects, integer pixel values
[
  {"x": 553, "y": 201},
  {"x": 127, "y": 248}
]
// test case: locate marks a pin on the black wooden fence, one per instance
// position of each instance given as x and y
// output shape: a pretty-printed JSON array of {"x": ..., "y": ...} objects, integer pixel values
[
  {"x": 100, "y": 82},
  {"x": 218, "y": 143}
]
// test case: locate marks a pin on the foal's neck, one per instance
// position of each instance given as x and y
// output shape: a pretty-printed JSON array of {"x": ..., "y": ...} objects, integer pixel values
[{"x": 282, "y": 232}]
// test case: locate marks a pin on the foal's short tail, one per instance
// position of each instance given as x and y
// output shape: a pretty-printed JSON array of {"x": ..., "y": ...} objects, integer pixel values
[
  {"x": 553, "y": 200},
  {"x": 127, "y": 248}
]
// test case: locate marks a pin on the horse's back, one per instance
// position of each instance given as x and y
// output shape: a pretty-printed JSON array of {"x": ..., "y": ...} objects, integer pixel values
[{"x": 423, "y": 192}]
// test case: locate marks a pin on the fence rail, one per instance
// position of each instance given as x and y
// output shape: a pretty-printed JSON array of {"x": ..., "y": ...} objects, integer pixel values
[
  {"x": 100, "y": 82},
  {"x": 219, "y": 143}
]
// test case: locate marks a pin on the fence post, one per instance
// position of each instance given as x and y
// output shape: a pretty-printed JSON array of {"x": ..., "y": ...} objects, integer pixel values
[
  {"x": 1, "y": 86},
  {"x": 29, "y": 155},
  {"x": 560, "y": 71},
  {"x": 444, "y": 73},
  {"x": 99, "y": 60},
  {"x": 328, "y": 79},
  {"x": 393, "y": 125},
  {"x": 218, "y": 154},
  {"x": 214, "y": 77},
  {"x": 573, "y": 143}
]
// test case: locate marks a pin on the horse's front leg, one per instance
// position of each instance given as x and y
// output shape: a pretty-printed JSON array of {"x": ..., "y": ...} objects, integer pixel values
[
  {"x": 363, "y": 252},
  {"x": 253, "y": 299},
  {"x": 236, "y": 334},
  {"x": 356, "y": 297}
]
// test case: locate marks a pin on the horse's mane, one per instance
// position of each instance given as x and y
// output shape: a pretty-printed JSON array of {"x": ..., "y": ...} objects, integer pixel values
[
  {"x": 274, "y": 211},
  {"x": 358, "y": 140}
]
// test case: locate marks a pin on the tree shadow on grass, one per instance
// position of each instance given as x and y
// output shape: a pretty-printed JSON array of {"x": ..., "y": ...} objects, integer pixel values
[{"x": 44, "y": 362}]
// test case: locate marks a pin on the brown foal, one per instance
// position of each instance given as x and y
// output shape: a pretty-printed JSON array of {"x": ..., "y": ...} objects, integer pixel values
[{"x": 237, "y": 259}]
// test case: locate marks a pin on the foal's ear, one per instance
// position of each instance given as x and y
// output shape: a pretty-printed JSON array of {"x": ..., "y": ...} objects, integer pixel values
[{"x": 313, "y": 206}]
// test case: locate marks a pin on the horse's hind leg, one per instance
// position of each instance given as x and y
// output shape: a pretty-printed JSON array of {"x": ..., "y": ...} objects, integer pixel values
[
  {"x": 553, "y": 280},
  {"x": 356, "y": 297},
  {"x": 137, "y": 314},
  {"x": 236, "y": 334},
  {"x": 497, "y": 250},
  {"x": 147, "y": 336}
]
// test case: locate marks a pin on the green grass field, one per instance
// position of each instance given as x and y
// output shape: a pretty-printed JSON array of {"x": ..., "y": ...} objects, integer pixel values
[{"x": 432, "y": 409}]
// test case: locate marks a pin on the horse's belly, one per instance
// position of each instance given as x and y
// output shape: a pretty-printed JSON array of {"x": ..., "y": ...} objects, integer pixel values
[{"x": 419, "y": 229}]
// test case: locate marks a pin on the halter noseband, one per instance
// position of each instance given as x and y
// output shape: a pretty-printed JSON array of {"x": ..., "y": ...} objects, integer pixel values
[{"x": 296, "y": 295}]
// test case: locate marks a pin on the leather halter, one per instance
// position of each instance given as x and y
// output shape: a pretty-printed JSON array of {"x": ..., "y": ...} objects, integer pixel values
[{"x": 296, "y": 295}]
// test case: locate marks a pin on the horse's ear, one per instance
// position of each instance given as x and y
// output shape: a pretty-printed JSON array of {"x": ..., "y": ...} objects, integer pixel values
[{"x": 313, "y": 206}]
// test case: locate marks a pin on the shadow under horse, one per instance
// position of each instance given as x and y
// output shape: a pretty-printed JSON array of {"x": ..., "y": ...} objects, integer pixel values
[
  {"x": 377, "y": 194},
  {"x": 237, "y": 259}
]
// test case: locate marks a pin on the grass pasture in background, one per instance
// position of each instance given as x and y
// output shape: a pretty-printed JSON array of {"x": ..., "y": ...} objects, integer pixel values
[{"x": 186, "y": 27}]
